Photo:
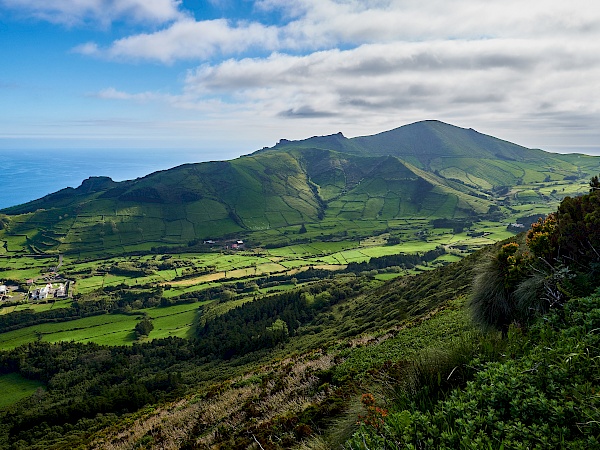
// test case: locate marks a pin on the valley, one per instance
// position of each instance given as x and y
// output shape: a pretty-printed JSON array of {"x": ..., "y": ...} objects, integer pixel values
[{"x": 278, "y": 300}]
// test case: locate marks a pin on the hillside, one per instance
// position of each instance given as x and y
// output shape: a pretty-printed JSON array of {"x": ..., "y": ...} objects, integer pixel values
[
  {"x": 325, "y": 360},
  {"x": 242, "y": 373},
  {"x": 455, "y": 153},
  {"x": 427, "y": 170}
]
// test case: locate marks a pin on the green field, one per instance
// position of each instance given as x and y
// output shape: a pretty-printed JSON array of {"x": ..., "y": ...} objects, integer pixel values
[
  {"x": 14, "y": 387},
  {"x": 108, "y": 329},
  {"x": 416, "y": 235},
  {"x": 37, "y": 307}
]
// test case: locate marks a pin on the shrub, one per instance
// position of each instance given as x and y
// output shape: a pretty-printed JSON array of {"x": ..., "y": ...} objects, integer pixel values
[
  {"x": 492, "y": 302},
  {"x": 544, "y": 398},
  {"x": 143, "y": 327}
]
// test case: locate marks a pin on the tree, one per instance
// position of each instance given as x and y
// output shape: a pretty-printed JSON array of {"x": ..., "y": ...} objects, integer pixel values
[{"x": 143, "y": 328}]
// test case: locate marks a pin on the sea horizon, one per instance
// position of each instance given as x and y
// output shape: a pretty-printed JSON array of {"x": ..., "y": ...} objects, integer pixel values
[{"x": 31, "y": 174}]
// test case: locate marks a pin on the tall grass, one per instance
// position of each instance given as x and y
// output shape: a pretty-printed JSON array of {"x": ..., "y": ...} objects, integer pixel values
[
  {"x": 492, "y": 304},
  {"x": 435, "y": 372}
]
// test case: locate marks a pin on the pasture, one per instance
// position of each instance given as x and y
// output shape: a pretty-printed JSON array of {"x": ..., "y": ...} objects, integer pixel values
[
  {"x": 189, "y": 272},
  {"x": 331, "y": 244},
  {"x": 14, "y": 387},
  {"x": 109, "y": 329}
]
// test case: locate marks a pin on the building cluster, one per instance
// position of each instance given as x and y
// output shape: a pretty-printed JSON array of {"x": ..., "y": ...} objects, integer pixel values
[
  {"x": 3, "y": 292},
  {"x": 6, "y": 292},
  {"x": 49, "y": 290}
]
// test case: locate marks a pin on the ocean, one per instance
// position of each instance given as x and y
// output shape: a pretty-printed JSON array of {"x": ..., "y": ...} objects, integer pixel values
[{"x": 27, "y": 175}]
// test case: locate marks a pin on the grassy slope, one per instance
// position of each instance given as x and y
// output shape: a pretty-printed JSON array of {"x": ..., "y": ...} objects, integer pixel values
[
  {"x": 436, "y": 170},
  {"x": 341, "y": 334},
  {"x": 316, "y": 378},
  {"x": 538, "y": 391},
  {"x": 309, "y": 389},
  {"x": 14, "y": 388}
]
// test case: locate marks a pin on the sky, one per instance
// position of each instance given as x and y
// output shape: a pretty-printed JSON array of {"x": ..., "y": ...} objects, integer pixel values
[{"x": 227, "y": 77}]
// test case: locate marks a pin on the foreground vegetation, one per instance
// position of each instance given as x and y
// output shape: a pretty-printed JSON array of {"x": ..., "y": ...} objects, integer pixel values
[
  {"x": 540, "y": 393},
  {"x": 541, "y": 390}
]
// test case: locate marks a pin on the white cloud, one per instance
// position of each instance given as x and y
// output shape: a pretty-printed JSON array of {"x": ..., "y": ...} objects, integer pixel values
[
  {"x": 481, "y": 83},
  {"x": 380, "y": 63},
  {"x": 328, "y": 21},
  {"x": 77, "y": 12},
  {"x": 114, "y": 94},
  {"x": 311, "y": 25},
  {"x": 187, "y": 39}
]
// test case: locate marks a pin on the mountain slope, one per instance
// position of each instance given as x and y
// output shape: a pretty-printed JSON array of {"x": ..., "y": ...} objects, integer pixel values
[
  {"x": 425, "y": 170},
  {"x": 461, "y": 154}
]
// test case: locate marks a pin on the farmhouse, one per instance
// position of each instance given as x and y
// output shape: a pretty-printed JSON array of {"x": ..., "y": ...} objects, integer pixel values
[
  {"x": 3, "y": 292},
  {"x": 60, "y": 292},
  {"x": 43, "y": 293}
]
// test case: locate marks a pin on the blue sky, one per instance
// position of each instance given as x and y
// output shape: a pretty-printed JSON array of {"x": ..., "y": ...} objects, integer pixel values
[{"x": 232, "y": 76}]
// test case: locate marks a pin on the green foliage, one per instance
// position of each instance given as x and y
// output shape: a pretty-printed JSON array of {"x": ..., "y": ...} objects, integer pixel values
[
  {"x": 571, "y": 236},
  {"x": 93, "y": 378},
  {"x": 512, "y": 264},
  {"x": 516, "y": 286},
  {"x": 493, "y": 302},
  {"x": 544, "y": 398},
  {"x": 143, "y": 327},
  {"x": 266, "y": 322}
]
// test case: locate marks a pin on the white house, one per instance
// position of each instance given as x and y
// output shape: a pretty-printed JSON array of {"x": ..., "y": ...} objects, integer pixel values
[
  {"x": 60, "y": 291},
  {"x": 41, "y": 294}
]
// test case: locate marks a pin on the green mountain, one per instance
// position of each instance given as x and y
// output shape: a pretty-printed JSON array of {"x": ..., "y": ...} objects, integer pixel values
[
  {"x": 425, "y": 170},
  {"x": 455, "y": 153},
  {"x": 325, "y": 361}
]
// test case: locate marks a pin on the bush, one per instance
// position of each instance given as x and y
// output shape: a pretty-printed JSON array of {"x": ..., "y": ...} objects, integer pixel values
[
  {"x": 544, "y": 398},
  {"x": 143, "y": 327},
  {"x": 492, "y": 302}
]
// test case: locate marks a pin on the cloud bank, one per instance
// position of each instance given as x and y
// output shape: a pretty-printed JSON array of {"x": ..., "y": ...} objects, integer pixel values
[
  {"x": 376, "y": 63},
  {"x": 78, "y": 12},
  {"x": 347, "y": 57}
]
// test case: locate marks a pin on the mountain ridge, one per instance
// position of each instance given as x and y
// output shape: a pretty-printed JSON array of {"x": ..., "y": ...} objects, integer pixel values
[{"x": 423, "y": 170}]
